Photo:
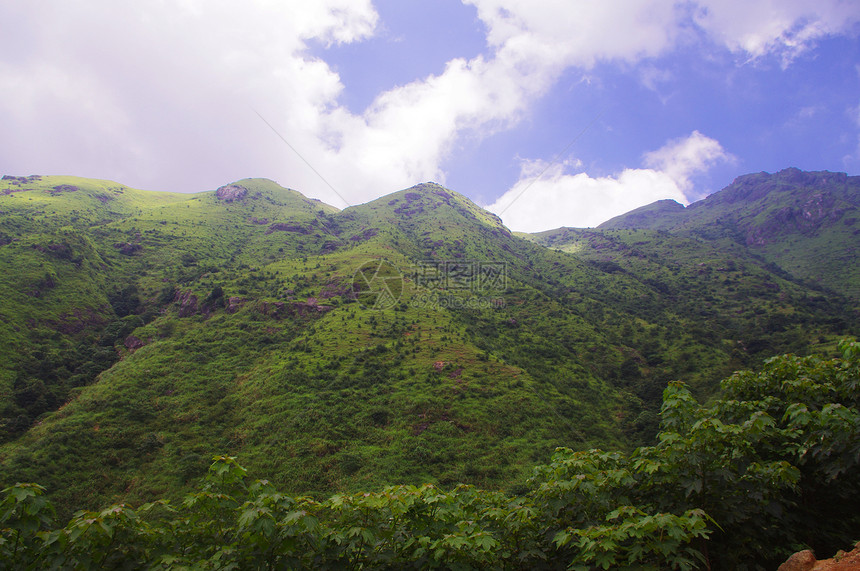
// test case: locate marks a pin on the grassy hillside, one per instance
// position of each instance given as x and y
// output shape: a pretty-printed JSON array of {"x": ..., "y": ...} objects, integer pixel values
[{"x": 411, "y": 339}]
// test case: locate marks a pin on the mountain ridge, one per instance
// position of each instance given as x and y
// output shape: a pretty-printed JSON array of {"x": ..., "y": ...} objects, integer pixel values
[{"x": 803, "y": 222}]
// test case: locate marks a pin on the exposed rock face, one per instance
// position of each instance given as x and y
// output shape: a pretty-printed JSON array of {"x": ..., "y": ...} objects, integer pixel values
[
  {"x": 272, "y": 309},
  {"x": 756, "y": 186},
  {"x": 819, "y": 209},
  {"x": 133, "y": 343},
  {"x": 333, "y": 290},
  {"x": 800, "y": 561},
  {"x": 329, "y": 246},
  {"x": 16, "y": 182},
  {"x": 21, "y": 179},
  {"x": 235, "y": 303},
  {"x": 76, "y": 321},
  {"x": 231, "y": 192},
  {"x": 805, "y": 561},
  {"x": 308, "y": 307},
  {"x": 411, "y": 207},
  {"x": 187, "y": 303}
]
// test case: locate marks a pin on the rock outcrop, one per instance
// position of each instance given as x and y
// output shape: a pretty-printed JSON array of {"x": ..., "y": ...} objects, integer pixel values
[
  {"x": 231, "y": 192},
  {"x": 187, "y": 303},
  {"x": 805, "y": 561},
  {"x": 133, "y": 343}
]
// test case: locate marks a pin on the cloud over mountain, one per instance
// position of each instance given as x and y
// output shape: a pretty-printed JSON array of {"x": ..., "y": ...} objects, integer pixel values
[
  {"x": 546, "y": 197},
  {"x": 164, "y": 96}
]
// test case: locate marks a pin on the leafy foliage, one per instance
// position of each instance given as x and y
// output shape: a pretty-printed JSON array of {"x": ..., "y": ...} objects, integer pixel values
[{"x": 735, "y": 484}]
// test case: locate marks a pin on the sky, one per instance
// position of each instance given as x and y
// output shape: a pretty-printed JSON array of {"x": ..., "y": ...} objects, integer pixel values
[{"x": 547, "y": 112}]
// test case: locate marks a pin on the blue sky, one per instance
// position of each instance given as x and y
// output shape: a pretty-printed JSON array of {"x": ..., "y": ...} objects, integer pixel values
[{"x": 546, "y": 112}]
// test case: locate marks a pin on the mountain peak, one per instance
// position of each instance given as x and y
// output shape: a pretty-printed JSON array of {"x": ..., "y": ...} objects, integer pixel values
[
  {"x": 770, "y": 211},
  {"x": 757, "y": 186},
  {"x": 247, "y": 191},
  {"x": 651, "y": 216},
  {"x": 430, "y": 201}
]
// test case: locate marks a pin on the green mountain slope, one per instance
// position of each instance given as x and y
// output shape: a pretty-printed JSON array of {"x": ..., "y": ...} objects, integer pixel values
[
  {"x": 411, "y": 339},
  {"x": 805, "y": 222}
]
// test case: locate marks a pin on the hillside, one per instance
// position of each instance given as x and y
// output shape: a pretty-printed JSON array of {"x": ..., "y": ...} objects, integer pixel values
[
  {"x": 804, "y": 222},
  {"x": 411, "y": 339}
]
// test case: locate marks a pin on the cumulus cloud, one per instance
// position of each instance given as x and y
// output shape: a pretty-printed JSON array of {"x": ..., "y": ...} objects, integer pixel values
[
  {"x": 684, "y": 157},
  {"x": 163, "y": 95},
  {"x": 558, "y": 199},
  {"x": 403, "y": 137},
  {"x": 580, "y": 200},
  {"x": 556, "y": 33},
  {"x": 783, "y": 28},
  {"x": 407, "y": 133}
]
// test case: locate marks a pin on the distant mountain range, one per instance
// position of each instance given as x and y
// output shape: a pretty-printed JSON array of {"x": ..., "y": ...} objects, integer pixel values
[{"x": 410, "y": 339}]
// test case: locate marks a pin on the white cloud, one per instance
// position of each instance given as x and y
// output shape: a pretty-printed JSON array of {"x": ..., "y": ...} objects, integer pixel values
[
  {"x": 408, "y": 131},
  {"x": 162, "y": 95},
  {"x": 579, "y": 200},
  {"x": 561, "y": 33},
  {"x": 681, "y": 158},
  {"x": 557, "y": 199},
  {"x": 784, "y": 28}
]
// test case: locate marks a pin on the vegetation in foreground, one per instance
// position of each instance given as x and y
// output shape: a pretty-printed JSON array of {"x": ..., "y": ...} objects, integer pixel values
[{"x": 771, "y": 467}]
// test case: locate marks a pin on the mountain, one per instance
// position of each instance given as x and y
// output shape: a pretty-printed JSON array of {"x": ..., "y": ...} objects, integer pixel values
[
  {"x": 410, "y": 339},
  {"x": 804, "y": 222}
]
